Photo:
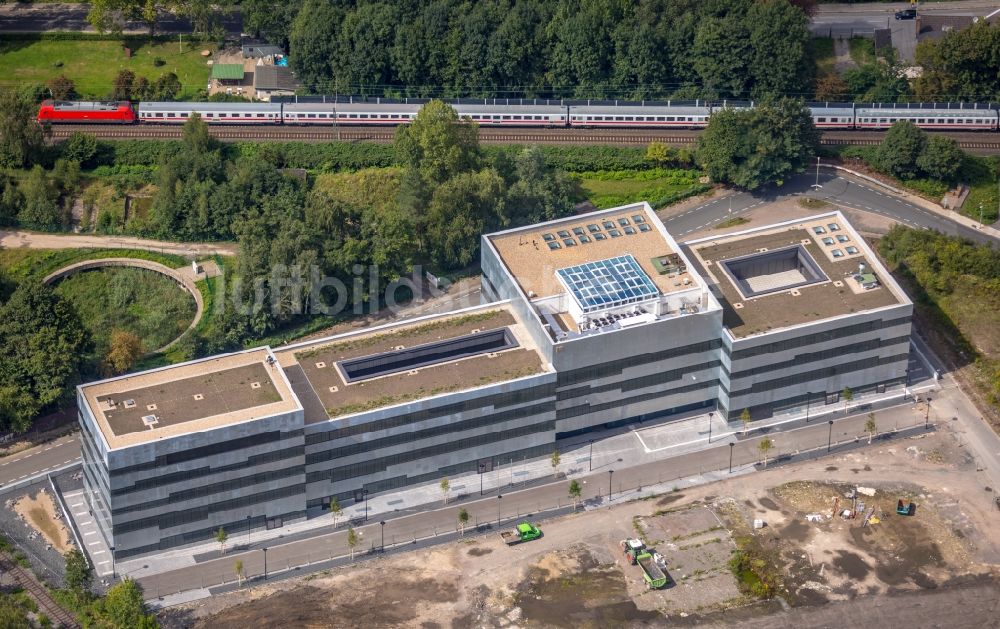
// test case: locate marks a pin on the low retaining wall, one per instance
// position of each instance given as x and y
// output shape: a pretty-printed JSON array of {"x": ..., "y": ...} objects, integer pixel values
[{"x": 182, "y": 281}]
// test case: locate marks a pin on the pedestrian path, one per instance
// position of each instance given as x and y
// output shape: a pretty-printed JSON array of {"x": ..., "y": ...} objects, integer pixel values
[{"x": 634, "y": 445}]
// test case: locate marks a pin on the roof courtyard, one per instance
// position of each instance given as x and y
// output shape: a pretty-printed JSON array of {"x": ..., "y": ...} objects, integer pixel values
[
  {"x": 200, "y": 395},
  {"x": 357, "y": 372},
  {"x": 793, "y": 273}
]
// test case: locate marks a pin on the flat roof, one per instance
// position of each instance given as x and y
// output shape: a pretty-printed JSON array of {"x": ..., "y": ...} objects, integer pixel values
[
  {"x": 534, "y": 254},
  {"x": 180, "y": 399},
  {"x": 227, "y": 71},
  {"x": 317, "y": 368},
  {"x": 830, "y": 242}
]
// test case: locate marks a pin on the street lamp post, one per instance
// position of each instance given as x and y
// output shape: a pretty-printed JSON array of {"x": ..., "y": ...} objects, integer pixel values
[
  {"x": 382, "y": 545},
  {"x": 732, "y": 444},
  {"x": 499, "y": 504},
  {"x": 365, "y": 491},
  {"x": 590, "y": 459},
  {"x": 248, "y": 531},
  {"x": 611, "y": 473},
  {"x": 816, "y": 185},
  {"x": 265, "y": 562},
  {"x": 808, "y": 402},
  {"x": 113, "y": 563},
  {"x": 829, "y": 438},
  {"x": 710, "y": 414},
  {"x": 927, "y": 413}
]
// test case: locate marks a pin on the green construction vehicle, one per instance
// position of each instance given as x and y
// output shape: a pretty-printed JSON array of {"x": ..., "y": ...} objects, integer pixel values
[
  {"x": 651, "y": 570},
  {"x": 524, "y": 532}
]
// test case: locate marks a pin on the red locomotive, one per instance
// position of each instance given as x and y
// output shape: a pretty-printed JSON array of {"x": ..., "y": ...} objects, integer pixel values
[{"x": 104, "y": 112}]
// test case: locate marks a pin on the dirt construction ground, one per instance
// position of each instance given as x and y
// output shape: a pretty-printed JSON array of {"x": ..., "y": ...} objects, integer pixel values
[{"x": 935, "y": 568}]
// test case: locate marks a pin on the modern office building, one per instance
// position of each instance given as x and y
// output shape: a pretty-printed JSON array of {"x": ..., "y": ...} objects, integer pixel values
[{"x": 590, "y": 322}]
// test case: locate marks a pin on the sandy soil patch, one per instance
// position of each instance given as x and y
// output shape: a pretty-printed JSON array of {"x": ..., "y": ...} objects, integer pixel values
[{"x": 39, "y": 511}]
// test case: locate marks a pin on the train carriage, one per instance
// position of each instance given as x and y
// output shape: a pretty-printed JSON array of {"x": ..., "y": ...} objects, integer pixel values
[
  {"x": 646, "y": 116},
  {"x": 514, "y": 115},
  {"x": 211, "y": 113},
  {"x": 102, "y": 112},
  {"x": 939, "y": 116},
  {"x": 389, "y": 114},
  {"x": 832, "y": 115}
]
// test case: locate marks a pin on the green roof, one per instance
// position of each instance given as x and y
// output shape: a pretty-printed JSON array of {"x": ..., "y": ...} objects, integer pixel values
[{"x": 228, "y": 71}]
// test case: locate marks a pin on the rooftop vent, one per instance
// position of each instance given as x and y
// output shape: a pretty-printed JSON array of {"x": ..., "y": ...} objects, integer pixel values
[
  {"x": 199, "y": 397},
  {"x": 320, "y": 365},
  {"x": 129, "y": 403},
  {"x": 254, "y": 385},
  {"x": 150, "y": 421},
  {"x": 151, "y": 407},
  {"x": 334, "y": 389}
]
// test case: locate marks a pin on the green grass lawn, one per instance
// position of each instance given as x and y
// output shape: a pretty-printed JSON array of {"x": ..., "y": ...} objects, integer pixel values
[
  {"x": 659, "y": 186},
  {"x": 21, "y": 264},
  {"x": 92, "y": 64},
  {"x": 862, "y": 50},
  {"x": 822, "y": 50},
  {"x": 981, "y": 175},
  {"x": 141, "y": 301}
]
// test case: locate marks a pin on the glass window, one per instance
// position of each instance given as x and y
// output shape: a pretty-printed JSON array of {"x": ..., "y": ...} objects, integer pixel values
[
  {"x": 563, "y": 233},
  {"x": 644, "y": 227},
  {"x": 837, "y": 253},
  {"x": 548, "y": 237},
  {"x": 578, "y": 231},
  {"x": 569, "y": 242},
  {"x": 821, "y": 119},
  {"x": 608, "y": 225},
  {"x": 833, "y": 227},
  {"x": 623, "y": 221},
  {"x": 584, "y": 239},
  {"x": 554, "y": 245},
  {"x": 593, "y": 228},
  {"x": 600, "y": 236},
  {"x": 819, "y": 230},
  {"x": 630, "y": 230},
  {"x": 828, "y": 241},
  {"x": 637, "y": 218},
  {"x": 852, "y": 250},
  {"x": 614, "y": 233},
  {"x": 842, "y": 238}
]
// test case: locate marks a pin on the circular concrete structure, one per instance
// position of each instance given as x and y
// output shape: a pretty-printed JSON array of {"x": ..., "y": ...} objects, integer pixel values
[{"x": 148, "y": 265}]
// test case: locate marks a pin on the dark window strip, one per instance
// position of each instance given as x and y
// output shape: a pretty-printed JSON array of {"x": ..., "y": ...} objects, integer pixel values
[
  {"x": 575, "y": 411},
  {"x": 818, "y": 337},
  {"x": 435, "y": 431},
  {"x": 213, "y": 449},
  {"x": 804, "y": 359},
  {"x": 816, "y": 374}
]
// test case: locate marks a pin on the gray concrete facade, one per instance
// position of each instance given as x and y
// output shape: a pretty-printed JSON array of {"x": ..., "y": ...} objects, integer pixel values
[{"x": 177, "y": 490}]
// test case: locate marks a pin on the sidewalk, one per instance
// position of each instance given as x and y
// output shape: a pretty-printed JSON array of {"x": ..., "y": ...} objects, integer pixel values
[
  {"x": 622, "y": 449},
  {"x": 917, "y": 200}
]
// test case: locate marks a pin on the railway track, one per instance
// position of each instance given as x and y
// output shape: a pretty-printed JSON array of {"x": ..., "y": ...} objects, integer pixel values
[
  {"x": 976, "y": 142},
  {"x": 59, "y": 616}
]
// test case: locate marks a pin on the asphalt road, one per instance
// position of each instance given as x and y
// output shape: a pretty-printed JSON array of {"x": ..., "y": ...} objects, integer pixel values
[
  {"x": 837, "y": 190},
  {"x": 24, "y": 17},
  {"x": 512, "y": 506},
  {"x": 39, "y": 460}
]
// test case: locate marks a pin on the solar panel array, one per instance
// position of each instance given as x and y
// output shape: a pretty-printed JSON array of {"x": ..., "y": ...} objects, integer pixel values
[{"x": 608, "y": 283}]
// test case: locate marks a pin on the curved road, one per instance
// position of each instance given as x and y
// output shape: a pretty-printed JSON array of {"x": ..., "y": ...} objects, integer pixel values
[{"x": 838, "y": 190}]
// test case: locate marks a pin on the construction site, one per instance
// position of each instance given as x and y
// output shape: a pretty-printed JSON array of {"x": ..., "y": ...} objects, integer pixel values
[{"x": 851, "y": 535}]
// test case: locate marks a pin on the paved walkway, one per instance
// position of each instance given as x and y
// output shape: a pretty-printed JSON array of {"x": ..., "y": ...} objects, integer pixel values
[
  {"x": 610, "y": 452},
  {"x": 19, "y": 239}
]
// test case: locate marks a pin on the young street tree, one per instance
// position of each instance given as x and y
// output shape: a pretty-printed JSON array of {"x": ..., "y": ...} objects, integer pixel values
[
  {"x": 335, "y": 511},
  {"x": 871, "y": 427},
  {"x": 575, "y": 492},
  {"x": 745, "y": 418},
  {"x": 752, "y": 147},
  {"x": 554, "y": 460},
  {"x": 238, "y": 568},
  {"x": 445, "y": 488},
  {"x": 221, "y": 537},
  {"x": 463, "y": 519},
  {"x": 764, "y": 447},
  {"x": 848, "y": 396},
  {"x": 352, "y": 540}
]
